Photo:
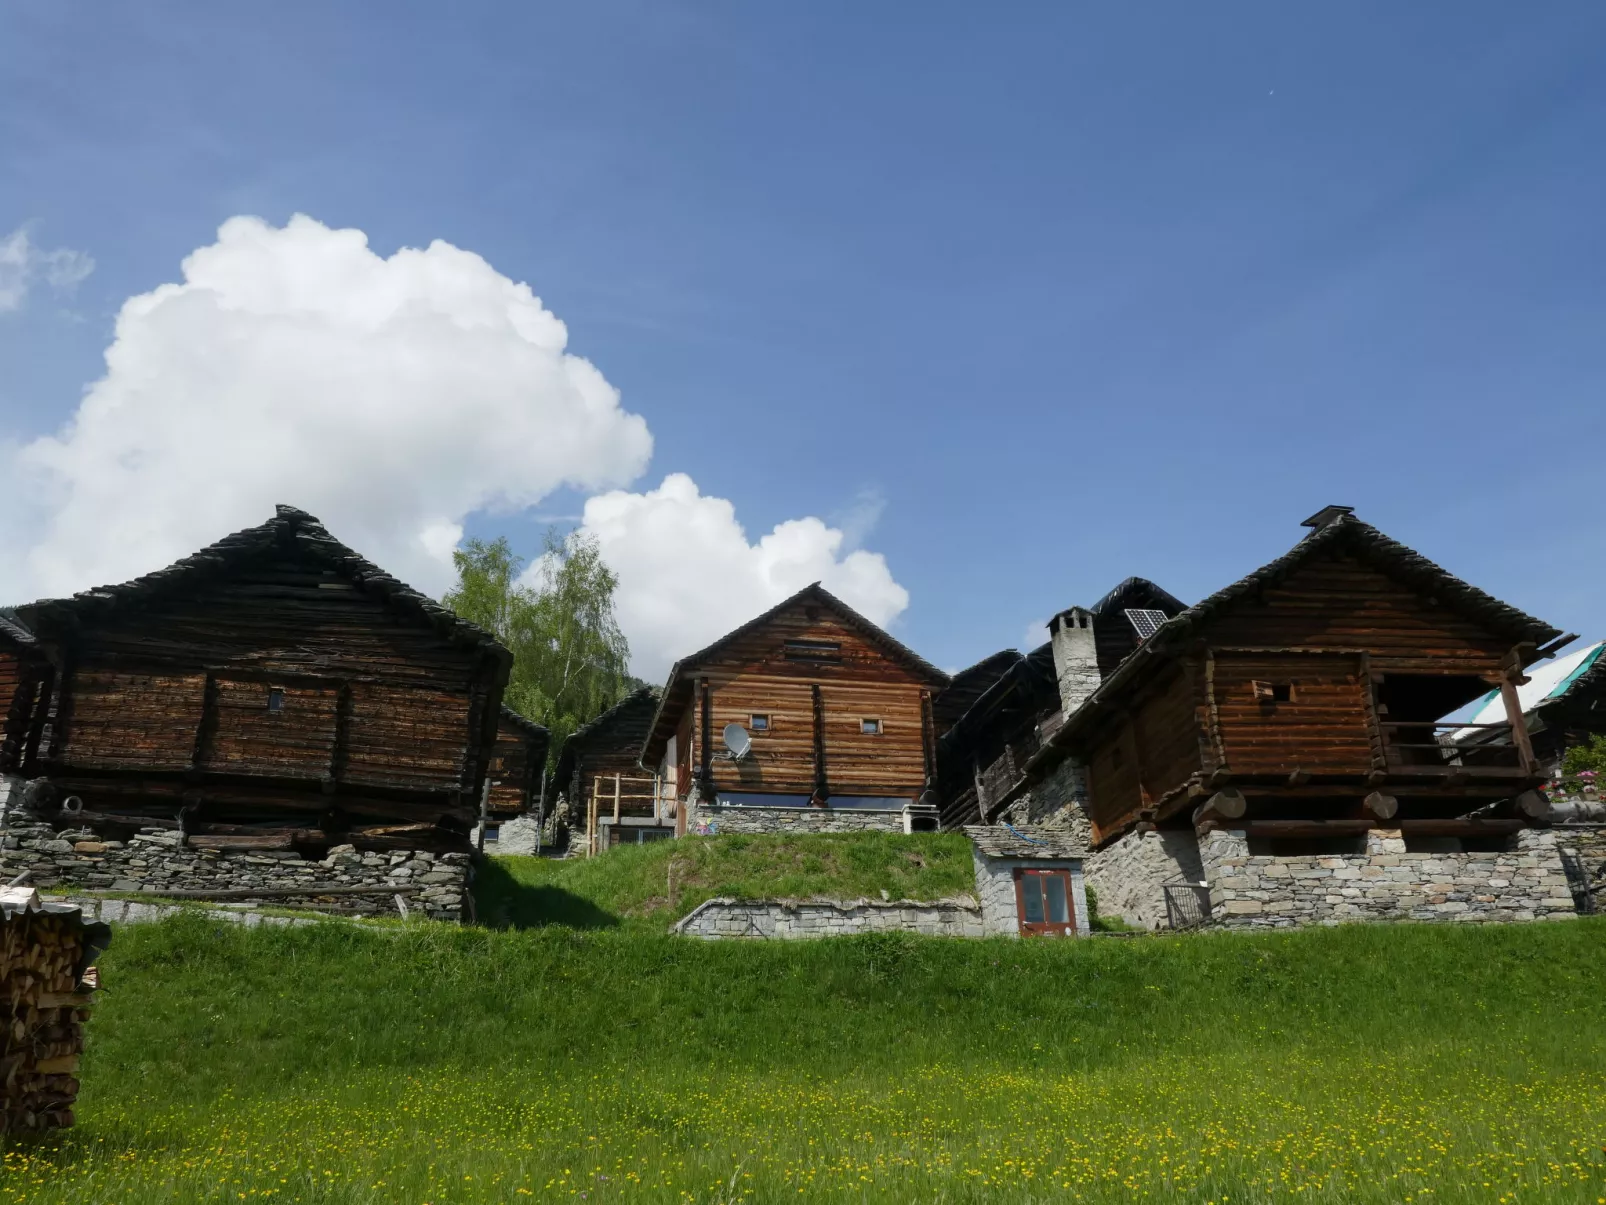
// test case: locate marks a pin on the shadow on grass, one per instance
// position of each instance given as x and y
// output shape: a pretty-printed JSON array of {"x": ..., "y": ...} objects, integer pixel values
[{"x": 502, "y": 902}]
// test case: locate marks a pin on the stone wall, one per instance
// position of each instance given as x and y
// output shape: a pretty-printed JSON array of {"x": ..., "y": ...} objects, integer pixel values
[
  {"x": 1129, "y": 875},
  {"x": 156, "y": 860},
  {"x": 721, "y": 818},
  {"x": 726, "y": 918},
  {"x": 1057, "y": 802},
  {"x": 137, "y": 912},
  {"x": 1583, "y": 856},
  {"x": 1524, "y": 883},
  {"x": 995, "y": 884}
]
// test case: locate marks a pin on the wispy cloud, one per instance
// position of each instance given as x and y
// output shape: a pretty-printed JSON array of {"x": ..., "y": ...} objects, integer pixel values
[{"x": 24, "y": 265}]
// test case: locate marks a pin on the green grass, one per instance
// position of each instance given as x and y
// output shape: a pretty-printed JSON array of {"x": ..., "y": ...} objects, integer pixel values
[
  {"x": 646, "y": 887},
  {"x": 425, "y": 1063}
]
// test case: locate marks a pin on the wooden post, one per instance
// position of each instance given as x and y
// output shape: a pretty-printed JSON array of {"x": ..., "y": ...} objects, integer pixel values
[
  {"x": 822, "y": 788},
  {"x": 705, "y": 744},
  {"x": 616, "y": 798},
  {"x": 1519, "y": 729}
]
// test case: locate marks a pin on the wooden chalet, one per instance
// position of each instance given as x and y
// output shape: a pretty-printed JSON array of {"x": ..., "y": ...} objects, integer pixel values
[
  {"x": 839, "y": 714},
  {"x": 607, "y": 798},
  {"x": 518, "y": 764},
  {"x": 1303, "y": 705},
  {"x": 23, "y": 673},
  {"x": 984, "y": 749},
  {"x": 274, "y": 690}
]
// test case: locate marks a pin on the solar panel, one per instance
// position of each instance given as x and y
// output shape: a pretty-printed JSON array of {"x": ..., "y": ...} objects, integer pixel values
[{"x": 1145, "y": 623}]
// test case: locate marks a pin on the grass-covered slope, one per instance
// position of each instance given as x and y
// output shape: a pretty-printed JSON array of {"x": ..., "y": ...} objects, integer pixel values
[
  {"x": 646, "y": 887},
  {"x": 426, "y": 1063}
]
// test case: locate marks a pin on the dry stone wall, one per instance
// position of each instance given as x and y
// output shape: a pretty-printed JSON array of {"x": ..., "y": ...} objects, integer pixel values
[
  {"x": 1524, "y": 883},
  {"x": 1130, "y": 875},
  {"x": 725, "y": 918},
  {"x": 718, "y": 818},
  {"x": 1056, "y": 802},
  {"x": 157, "y": 860}
]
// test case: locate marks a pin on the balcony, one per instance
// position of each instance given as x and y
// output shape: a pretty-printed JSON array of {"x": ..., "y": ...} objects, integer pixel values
[{"x": 1452, "y": 750}]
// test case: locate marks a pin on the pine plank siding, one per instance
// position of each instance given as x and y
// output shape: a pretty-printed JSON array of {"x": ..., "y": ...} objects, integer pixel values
[
  {"x": 273, "y": 681},
  {"x": 1309, "y": 688},
  {"x": 817, "y": 671}
]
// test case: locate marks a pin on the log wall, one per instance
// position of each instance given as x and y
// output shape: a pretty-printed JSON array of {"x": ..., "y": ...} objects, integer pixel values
[{"x": 278, "y": 696}]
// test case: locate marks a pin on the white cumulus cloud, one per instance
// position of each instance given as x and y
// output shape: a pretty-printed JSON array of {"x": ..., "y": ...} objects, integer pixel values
[
  {"x": 688, "y": 573},
  {"x": 23, "y": 265},
  {"x": 392, "y": 397}
]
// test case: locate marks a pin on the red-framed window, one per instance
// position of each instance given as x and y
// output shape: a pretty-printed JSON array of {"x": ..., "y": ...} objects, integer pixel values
[{"x": 1044, "y": 902}]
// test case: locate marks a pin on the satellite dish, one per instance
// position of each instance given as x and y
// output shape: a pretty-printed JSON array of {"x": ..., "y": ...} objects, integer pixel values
[{"x": 736, "y": 740}]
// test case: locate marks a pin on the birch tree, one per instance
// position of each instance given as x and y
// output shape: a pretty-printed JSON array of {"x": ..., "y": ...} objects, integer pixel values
[{"x": 570, "y": 660}]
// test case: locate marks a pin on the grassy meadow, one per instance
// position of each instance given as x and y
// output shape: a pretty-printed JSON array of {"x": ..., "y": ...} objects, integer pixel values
[
  {"x": 426, "y": 1063},
  {"x": 644, "y": 888}
]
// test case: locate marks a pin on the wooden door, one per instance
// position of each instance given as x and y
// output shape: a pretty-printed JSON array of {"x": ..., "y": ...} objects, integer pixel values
[{"x": 1044, "y": 902}]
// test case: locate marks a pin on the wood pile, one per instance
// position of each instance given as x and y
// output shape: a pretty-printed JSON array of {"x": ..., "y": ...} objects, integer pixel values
[{"x": 45, "y": 986}]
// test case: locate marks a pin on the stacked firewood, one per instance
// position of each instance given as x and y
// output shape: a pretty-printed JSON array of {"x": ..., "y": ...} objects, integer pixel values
[{"x": 45, "y": 986}]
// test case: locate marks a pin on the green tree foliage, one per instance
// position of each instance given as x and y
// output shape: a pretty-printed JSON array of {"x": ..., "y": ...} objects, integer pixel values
[
  {"x": 1582, "y": 758},
  {"x": 570, "y": 660}
]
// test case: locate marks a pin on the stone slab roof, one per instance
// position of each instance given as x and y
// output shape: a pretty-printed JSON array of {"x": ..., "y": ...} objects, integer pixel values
[{"x": 1024, "y": 841}]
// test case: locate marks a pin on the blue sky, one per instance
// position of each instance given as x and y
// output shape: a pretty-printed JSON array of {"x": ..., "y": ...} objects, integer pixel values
[{"x": 1054, "y": 293}]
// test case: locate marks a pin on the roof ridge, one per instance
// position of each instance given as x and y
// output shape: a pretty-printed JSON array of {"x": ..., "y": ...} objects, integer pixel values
[{"x": 305, "y": 530}]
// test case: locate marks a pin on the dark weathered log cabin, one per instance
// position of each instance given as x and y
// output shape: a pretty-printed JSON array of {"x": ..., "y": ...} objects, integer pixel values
[
  {"x": 983, "y": 751},
  {"x": 518, "y": 763},
  {"x": 24, "y": 672},
  {"x": 838, "y": 715},
  {"x": 607, "y": 798},
  {"x": 1303, "y": 706},
  {"x": 274, "y": 690}
]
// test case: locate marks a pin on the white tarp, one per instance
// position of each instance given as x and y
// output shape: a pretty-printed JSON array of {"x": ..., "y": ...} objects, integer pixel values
[{"x": 1545, "y": 681}]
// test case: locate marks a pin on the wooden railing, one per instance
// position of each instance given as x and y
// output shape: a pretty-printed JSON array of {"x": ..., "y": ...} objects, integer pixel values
[
  {"x": 1414, "y": 745},
  {"x": 616, "y": 796}
]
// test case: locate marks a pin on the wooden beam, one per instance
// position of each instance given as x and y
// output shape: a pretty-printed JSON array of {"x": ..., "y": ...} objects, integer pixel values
[
  {"x": 822, "y": 786},
  {"x": 706, "y": 742},
  {"x": 1519, "y": 729},
  {"x": 1224, "y": 805},
  {"x": 1383, "y": 807}
]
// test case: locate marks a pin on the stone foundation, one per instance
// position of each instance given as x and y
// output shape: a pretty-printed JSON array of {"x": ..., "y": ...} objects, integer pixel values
[
  {"x": 1129, "y": 876},
  {"x": 156, "y": 860},
  {"x": 726, "y": 918},
  {"x": 1524, "y": 883},
  {"x": 1056, "y": 802}
]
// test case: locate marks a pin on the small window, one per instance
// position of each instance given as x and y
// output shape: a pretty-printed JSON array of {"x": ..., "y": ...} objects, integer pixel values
[
  {"x": 825, "y": 651},
  {"x": 1274, "y": 692},
  {"x": 1043, "y": 901},
  {"x": 759, "y": 723},
  {"x": 275, "y": 701},
  {"x": 870, "y": 727}
]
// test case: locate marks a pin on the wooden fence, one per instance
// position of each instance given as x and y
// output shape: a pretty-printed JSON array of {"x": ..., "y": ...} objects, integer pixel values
[{"x": 621, "y": 795}]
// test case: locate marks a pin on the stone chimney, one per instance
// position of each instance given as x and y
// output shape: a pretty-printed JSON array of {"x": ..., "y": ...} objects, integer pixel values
[{"x": 1076, "y": 659}]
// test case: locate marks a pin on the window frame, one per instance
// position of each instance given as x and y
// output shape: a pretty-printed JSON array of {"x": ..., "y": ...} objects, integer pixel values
[
  {"x": 880, "y": 729},
  {"x": 275, "y": 700},
  {"x": 1045, "y": 927},
  {"x": 753, "y": 721}
]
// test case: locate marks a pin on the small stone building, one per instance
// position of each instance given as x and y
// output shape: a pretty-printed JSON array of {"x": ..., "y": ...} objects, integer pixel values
[{"x": 1029, "y": 881}]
